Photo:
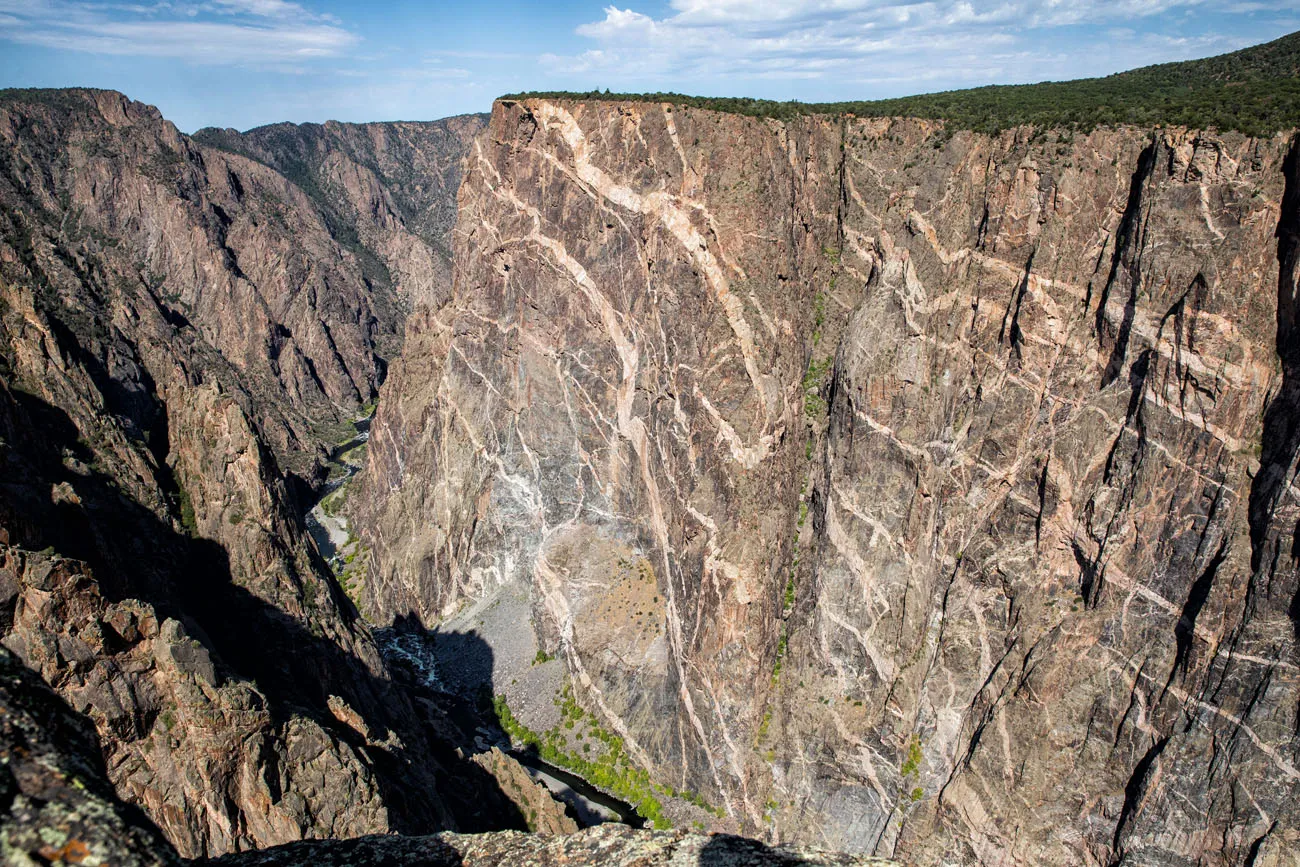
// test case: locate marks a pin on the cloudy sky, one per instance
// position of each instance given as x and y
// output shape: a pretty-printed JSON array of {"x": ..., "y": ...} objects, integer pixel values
[{"x": 242, "y": 63}]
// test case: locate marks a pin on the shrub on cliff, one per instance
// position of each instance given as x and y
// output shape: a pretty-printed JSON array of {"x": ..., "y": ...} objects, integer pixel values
[{"x": 1255, "y": 91}]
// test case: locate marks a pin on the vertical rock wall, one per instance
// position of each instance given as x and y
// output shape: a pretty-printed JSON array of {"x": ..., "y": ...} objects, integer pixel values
[{"x": 956, "y": 469}]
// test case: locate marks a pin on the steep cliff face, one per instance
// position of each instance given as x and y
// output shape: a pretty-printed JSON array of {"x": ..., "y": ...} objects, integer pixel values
[
  {"x": 387, "y": 189},
  {"x": 1059, "y": 372},
  {"x": 900, "y": 490},
  {"x": 866, "y": 484},
  {"x": 178, "y": 331},
  {"x": 225, "y": 249}
]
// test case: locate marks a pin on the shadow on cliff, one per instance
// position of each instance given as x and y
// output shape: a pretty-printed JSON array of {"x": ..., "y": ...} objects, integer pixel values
[
  {"x": 725, "y": 850},
  {"x": 452, "y": 673},
  {"x": 452, "y": 663},
  {"x": 425, "y": 782},
  {"x": 1271, "y": 517},
  {"x": 447, "y": 674}
]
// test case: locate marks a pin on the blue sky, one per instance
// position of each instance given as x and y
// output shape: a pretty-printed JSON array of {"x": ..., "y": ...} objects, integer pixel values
[{"x": 242, "y": 63}]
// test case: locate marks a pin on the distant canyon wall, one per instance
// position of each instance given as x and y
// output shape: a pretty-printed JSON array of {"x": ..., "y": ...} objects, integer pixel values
[{"x": 183, "y": 334}]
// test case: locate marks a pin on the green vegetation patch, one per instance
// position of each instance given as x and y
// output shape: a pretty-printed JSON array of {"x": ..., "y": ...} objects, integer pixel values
[
  {"x": 542, "y": 656},
  {"x": 186, "y": 508},
  {"x": 912, "y": 763},
  {"x": 611, "y": 769},
  {"x": 1255, "y": 91},
  {"x": 354, "y": 570},
  {"x": 782, "y": 646},
  {"x": 333, "y": 502},
  {"x": 814, "y": 403}
]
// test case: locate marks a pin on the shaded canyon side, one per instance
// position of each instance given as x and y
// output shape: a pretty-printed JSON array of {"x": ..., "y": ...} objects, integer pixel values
[{"x": 183, "y": 338}]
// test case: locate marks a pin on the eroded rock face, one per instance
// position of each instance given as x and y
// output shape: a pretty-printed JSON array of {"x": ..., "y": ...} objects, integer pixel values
[
  {"x": 388, "y": 189},
  {"x": 180, "y": 334},
  {"x": 880, "y": 488},
  {"x": 609, "y": 845},
  {"x": 957, "y": 470},
  {"x": 544, "y": 814},
  {"x": 58, "y": 808},
  {"x": 218, "y": 764},
  {"x": 229, "y": 254}
]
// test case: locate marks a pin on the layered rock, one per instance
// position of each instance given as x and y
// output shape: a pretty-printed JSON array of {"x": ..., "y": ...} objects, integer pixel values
[{"x": 956, "y": 469}]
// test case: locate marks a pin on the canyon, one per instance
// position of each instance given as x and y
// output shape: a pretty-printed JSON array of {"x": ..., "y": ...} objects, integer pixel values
[{"x": 860, "y": 485}]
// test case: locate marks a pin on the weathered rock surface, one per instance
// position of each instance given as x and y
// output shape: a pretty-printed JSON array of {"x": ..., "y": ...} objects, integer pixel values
[
  {"x": 879, "y": 488},
  {"x": 388, "y": 189},
  {"x": 99, "y": 189},
  {"x": 58, "y": 805},
  {"x": 179, "y": 331},
  {"x": 605, "y": 845},
  {"x": 543, "y": 813},
  {"x": 958, "y": 470},
  {"x": 60, "y": 809}
]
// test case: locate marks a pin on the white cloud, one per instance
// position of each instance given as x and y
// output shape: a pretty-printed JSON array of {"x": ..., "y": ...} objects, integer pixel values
[
  {"x": 263, "y": 8},
  {"x": 226, "y": 32},
  {"x": 889, "y": 43}
]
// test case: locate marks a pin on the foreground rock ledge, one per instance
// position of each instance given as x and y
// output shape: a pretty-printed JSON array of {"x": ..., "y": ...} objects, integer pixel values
[
  {"x": 57, "y": 807},
  {"x": 612, "y": 845}
]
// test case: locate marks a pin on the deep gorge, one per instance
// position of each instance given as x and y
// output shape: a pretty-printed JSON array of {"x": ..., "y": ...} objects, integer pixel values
[{"x": 856, "y": 483}]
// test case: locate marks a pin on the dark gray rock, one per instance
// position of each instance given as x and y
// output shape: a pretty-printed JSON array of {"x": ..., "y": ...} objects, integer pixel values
[
  {"x": 58, "y": 806},
  {"x": 603, "y": 846}
]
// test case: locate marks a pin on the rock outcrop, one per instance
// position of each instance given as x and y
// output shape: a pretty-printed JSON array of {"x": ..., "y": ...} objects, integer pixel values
[
  {"x": 181, "y": 337},
  {"x": 949, "y": 476},
  {"x": 60, "y": 809},
  {"x": 386, "y": 189},
  {"x": 610, "y": 845},
  {"x": 543, "y": 813}
]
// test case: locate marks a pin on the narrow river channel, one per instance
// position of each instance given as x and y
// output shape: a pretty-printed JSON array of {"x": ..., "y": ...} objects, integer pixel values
[
  {"x": 413, "y": 652},
  {"x": 330, "y": 531}
]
